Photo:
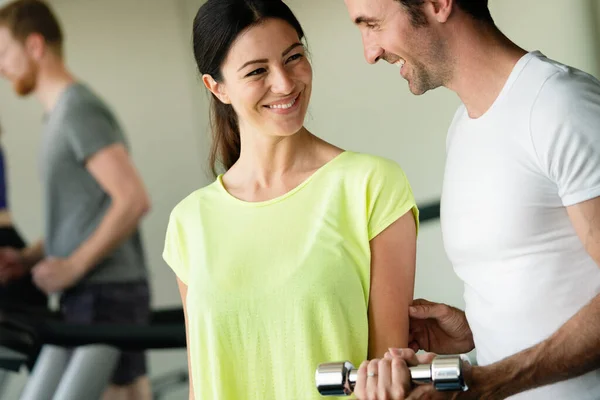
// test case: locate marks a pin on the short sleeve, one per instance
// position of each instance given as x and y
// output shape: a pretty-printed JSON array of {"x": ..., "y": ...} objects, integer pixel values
[
  {"x": 172, "y": 252},
  {"x": 565, "y": 131},
  {"x": 389, "y": 196},
  {"x": 91, "y": 128}
]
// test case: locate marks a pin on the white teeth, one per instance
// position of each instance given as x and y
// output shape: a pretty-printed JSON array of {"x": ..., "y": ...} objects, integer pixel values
[
  {"x": 284, "y": 106},
  {"x": 400, "y": 63}
]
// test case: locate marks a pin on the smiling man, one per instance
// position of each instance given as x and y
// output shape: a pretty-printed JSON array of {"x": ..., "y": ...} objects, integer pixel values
[
  {"x": 520, "y": 205},
  {"x": 94, "y": 199}
]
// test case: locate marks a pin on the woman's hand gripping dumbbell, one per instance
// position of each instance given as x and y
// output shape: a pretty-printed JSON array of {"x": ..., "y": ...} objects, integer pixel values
[{"x": 392, "y": 377}]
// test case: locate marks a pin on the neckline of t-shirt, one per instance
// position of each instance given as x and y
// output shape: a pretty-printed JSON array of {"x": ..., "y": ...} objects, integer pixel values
[
  {"x": 512, "y": 77},
  {"x": 62, "y": 98},
  {"x": 300, "y": 186}
]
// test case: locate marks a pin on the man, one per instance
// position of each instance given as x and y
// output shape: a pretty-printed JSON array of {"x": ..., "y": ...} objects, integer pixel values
[
  {"x": 94, "y": 198},
  {"x": 520, "y": 205}
]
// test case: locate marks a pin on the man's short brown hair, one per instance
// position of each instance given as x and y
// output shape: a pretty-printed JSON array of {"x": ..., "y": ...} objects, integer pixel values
[
  {"x": 477, "y": 9},
  {"x": 26, "y": 17}
]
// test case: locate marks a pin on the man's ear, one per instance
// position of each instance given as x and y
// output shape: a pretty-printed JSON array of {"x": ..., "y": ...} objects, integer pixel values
[
  {"x": 216, "y": 88},
  {"x": 35, "y": 46},
  {"x": 441, "y": 9}
]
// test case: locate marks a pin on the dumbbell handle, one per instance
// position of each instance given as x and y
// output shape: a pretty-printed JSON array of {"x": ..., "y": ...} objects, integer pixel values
[{"x": 445, "y": 373}]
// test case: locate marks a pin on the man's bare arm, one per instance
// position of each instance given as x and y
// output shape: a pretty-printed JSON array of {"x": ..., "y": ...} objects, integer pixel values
[
  {"x": 113, "y": 170},
  {"x": 33, "y": 254}
]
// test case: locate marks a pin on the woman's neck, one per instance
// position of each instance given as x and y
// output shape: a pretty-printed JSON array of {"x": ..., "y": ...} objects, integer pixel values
[
  {"x": 265, "y": 159},
  {"x": 269, "y": 167}
]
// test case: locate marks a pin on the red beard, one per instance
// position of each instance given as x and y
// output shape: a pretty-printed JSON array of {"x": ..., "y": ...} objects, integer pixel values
[{"x": 26, "y": 84}]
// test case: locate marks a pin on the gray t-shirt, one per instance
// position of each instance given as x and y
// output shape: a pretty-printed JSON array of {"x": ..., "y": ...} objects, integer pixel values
[{"x": 80, "y": 125}]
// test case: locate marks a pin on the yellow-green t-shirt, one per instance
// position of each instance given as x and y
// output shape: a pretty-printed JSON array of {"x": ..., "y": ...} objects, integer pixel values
[{"x": 277, "y": 287}]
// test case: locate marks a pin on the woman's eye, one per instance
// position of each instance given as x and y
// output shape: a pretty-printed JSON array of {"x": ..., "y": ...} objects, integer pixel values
[
  {"x": 257, "y": 72},
  {"x": 295, "y": 57}
]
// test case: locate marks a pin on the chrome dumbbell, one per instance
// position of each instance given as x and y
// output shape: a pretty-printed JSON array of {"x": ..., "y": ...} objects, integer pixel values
[{"x": 444, "y": 372}]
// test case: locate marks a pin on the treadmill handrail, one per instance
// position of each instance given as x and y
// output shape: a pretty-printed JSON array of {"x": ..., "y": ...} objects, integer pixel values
[
  {"x": 166, "y": 330},
  {"x": 126, "y": 337}
]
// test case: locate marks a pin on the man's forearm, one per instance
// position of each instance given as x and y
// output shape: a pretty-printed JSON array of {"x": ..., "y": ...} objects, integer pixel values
[
  {"x": 119, "y": 222},
  {"x": 33, "y": 254},
  {"x": 570, "y": 352}
]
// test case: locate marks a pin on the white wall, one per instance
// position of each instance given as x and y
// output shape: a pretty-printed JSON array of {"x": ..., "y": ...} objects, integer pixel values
[{"x": 138, "y": 56}]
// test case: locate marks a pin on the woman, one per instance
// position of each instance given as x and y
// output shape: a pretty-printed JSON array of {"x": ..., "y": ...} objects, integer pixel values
[{"x": 300, "y": 253}]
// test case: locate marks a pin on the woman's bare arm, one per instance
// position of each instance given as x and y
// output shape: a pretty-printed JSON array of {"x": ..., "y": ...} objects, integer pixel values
[
  {"x": 393, "y": 259},
  {"x": 183, "y": 292}
]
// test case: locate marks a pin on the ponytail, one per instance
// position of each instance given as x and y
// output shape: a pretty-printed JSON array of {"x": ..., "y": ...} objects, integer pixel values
[{"x": 226, "y": 146}]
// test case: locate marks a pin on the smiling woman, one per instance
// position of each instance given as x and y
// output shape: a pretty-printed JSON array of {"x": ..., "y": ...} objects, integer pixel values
[
  {"x": 264, "y": 92},
  {"x": 247, "y": 68},
  {"x": 299, "y": 252}
]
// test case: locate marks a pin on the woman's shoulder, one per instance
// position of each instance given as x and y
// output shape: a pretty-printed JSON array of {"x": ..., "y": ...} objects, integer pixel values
[
  {"x": 363, "y": 163},
  {"x": 194, "y": 201},
  {"x": 368, "y": 172}
]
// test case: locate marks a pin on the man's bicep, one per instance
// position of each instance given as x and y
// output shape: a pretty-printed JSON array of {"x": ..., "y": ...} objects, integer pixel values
[
  {"x": 585, "y": 217},
  {"x": 113, "y": 170}
]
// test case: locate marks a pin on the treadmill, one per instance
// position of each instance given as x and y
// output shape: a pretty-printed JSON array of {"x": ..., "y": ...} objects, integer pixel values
[{"x": 74, "y": 362}]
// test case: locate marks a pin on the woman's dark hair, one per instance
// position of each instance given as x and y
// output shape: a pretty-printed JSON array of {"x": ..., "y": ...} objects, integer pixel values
[{"x": 217, "y": 25}]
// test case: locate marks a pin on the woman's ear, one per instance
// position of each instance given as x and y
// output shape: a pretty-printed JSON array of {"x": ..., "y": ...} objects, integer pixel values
[{"x": 216, "y": 88}]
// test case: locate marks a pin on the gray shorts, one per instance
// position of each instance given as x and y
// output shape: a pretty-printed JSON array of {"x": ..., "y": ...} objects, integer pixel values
[{"x": 126, "y": 303}]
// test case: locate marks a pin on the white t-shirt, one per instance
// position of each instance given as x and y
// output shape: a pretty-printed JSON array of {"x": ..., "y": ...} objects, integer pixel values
[{"x": 509, "y": 176}]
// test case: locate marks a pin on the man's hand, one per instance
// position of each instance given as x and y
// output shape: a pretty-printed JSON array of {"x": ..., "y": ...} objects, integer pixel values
[
  {"x": 439, "y": 328},
  {"x": 388, "y": 378},
  {"x": 52, "y": 275},
  {"x": 12, "y": 265},
  {"x": 428, "y": 392}
]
